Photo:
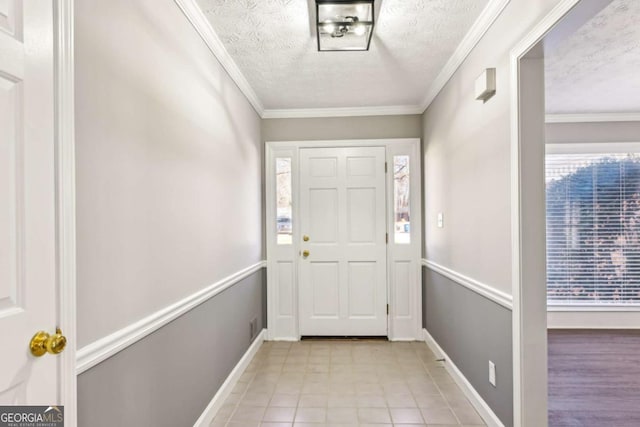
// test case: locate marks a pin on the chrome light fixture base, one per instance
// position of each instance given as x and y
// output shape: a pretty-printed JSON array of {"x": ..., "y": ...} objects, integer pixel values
[{"x": 344, "y": 25}]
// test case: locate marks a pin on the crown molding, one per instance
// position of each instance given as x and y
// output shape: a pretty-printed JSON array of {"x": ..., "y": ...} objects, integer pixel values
[
  {"x": 470, "y": 40},
  {"x": 202, "y": 25},
  {"x": 592, "y": 117},
  {"x": 343, "y": 112}
]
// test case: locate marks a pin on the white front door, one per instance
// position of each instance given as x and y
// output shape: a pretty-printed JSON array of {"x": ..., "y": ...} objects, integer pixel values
[
  {"x": 343, "y": 279},
  {"x": 28, "y": 296}
]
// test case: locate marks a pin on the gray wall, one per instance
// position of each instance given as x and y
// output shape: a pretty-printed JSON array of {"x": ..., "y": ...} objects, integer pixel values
[
  {"x": 168, "y": 378},
  {"x": 169, "y": 184},
  {"x": 472, "y": 330},
  {"x": 371, "y": 127}
]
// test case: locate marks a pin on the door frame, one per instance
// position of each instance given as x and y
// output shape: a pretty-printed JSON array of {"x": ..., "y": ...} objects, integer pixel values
[
  {"x": 528, "y": 246},
  {"x": 284, "y": 326},
  {"x": 65, "y": 201}
]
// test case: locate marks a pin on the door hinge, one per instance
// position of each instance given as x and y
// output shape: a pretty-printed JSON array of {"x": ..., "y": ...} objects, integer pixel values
[
  {"x": 387, "y": 309},
  {"x": 386, "y": 238},
  {"x": 385, "y": 167}
]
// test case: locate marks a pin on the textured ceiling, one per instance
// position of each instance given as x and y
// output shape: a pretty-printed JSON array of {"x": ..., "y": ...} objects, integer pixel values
[
  {"x": 272, "y": 43},
  {"x": 597, "y": 68}
]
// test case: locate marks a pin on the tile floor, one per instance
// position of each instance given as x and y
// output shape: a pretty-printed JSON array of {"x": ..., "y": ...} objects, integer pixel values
[{"x": 346, "y": 383}]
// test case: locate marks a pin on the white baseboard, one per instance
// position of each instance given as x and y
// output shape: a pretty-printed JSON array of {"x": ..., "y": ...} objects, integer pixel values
[
  {"x": 475, "y": 399},
  {"x": 223, "y": 392}
]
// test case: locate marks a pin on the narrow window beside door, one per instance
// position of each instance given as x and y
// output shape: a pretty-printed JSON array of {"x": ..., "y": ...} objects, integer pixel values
[
  {"x": 401, "y": 205},
  {"x": 283, "y": 193}
]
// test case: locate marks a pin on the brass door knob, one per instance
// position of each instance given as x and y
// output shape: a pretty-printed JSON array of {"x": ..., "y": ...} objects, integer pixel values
[
  {"x": 43, "y": 343},
  {"x": 305, "y": 253}
]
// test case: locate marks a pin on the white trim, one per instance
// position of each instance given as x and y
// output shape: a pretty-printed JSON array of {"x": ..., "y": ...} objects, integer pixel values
[
  {"x": 340, "y": 143},
  {"x": 106, "y": 347},
  {"x": 592, "y": 117},
  {"x": 202, "y": 25},
  {"x": 489, "y": 292},
  {"x": 66, "y": 202},
  {"x": 521, "y": 340},
  {"x": 225, "y": 389},
  {"x": 593, "y": 319},
  {"x": 285, "y": 328},
  {"x": 484, "y": 410},
  {"x": 586, "y": 308},
  {"x": 343, "y": 112},
  {"x": 488, "y": 16},
  {"x": 592, "y": 147}
]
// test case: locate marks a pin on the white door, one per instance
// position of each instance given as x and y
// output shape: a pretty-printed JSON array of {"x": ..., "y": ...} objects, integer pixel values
[
  {"x": 28, "y": 297},
  {"x": 343, "y": 279}
]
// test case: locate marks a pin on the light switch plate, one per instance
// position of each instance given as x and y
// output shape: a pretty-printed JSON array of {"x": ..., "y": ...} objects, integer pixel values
[
  {"x": 492, "y": 373},
  {"x": 440, "y": 220}
]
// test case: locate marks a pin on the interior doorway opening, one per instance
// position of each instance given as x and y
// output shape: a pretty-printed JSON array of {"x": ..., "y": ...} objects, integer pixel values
[{"x": 587, "y": 280}]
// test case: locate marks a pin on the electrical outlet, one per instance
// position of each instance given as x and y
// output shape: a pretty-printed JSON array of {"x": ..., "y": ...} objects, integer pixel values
[{"x": 492, "y": 373}]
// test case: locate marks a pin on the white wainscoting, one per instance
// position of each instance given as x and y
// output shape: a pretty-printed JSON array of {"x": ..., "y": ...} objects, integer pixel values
[
  {"x": 476, "y": 400},
  {"x": 100, "y": 350},
  {"x": 483, "y": 289}
]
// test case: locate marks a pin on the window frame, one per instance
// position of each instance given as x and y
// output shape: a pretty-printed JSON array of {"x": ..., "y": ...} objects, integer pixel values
[{"x": 589, "y": 148}]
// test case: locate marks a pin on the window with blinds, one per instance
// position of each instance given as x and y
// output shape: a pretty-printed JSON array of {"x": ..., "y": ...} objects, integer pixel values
[{"x": 593, "y": 228}]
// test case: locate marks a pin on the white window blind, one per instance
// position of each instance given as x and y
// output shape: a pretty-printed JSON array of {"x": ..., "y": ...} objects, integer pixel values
[{"x": 593, "y": 228}]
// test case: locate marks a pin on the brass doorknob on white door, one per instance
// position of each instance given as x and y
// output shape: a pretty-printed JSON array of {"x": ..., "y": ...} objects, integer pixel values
[
  {"x": 305, "y": 253},
  {"x": 43, "y": 343},
  {"x": 305, "y": 238}
]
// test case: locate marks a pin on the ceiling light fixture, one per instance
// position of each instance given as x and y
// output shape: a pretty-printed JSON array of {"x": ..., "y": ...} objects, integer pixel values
[{"x": 344, "y": 25}]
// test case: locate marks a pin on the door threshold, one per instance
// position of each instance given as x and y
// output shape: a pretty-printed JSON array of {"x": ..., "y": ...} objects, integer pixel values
[{"x": 343, "y": 338}]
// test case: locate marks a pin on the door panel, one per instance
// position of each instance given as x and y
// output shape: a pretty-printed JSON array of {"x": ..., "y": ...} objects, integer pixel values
[
  {"x": 27, "y": 201},
  {"x": 343, "y": 287},
  {"x": 325, "y": 281},
  {"x": 362, "y": 298}
]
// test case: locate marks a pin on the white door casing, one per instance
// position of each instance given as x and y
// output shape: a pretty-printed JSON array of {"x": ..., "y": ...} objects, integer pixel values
[
  {"x": 284, "y": 260},
  {"x": 342, "y": 282},
  {"x": 28, "y": 294}
]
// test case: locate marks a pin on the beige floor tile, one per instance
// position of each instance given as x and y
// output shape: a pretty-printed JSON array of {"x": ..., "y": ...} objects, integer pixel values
[
  {"x": 406, "y": 416},
  {"x": 342, "y": 415},
  {"x": 467, "y": 414},
  {"x": 371, "y": 401},
  {"x": 341, "y": 401},
  {"x": 344, "y": 384},
  {"x": 439, "y": 416},
  {"x": 374, "y": 415},
  {"x": 225, "y": 412},
  {"x": 248, "y": 413},
  {"x": 273, "y": 414},
  {"x": 315, "y": 388},
  {"x": 313, "y": 401},
  {"x": 429, "y": 401},
  {"x": 401, "y": 401},
  {"x": 244, "y": 424},
  {"x": 311, "y": 415},
  {"x": 233, "y": 398},
  {"x": 252, "y": 398},
  {"x": 284, "y": 400}
]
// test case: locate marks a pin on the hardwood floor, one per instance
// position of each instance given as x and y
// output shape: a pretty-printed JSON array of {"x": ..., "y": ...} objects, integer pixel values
[{"x": 594, "y": 378}]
